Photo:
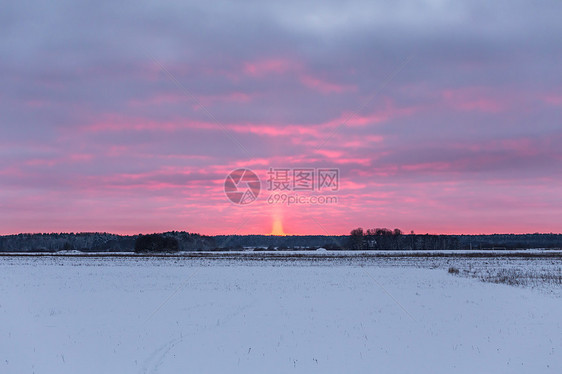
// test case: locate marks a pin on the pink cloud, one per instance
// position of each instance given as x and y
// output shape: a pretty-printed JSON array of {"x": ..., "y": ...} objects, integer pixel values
[
  {"x": 274, "y": 130},
  {"x": 553, "y": 99},
  {"x": 70, "y": 158},
  {"x": 181, "y": 98},
  {"x": 389, "y": 112},
  {"x": 362, "y": 141},
  {"x": 113, "y": 123},
  {"x": 329, "y": 153},
  {"x": 353, "y": 160},
  {"x": 473, "y": 99},
  {"x": 523, "y": 146},
  {"x": 268, "y": 66},
  {"x": 428, "y": 166},
  {"x": 324, "y": 86},
  {"x": 350, "y": 185}
]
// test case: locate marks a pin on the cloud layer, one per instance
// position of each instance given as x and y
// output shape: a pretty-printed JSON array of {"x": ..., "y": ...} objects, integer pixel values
[{"x": 441, "y": 116}]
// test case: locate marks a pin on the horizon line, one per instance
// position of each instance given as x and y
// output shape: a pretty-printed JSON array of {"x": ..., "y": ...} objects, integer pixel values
[{"x": 257, "y": 234}]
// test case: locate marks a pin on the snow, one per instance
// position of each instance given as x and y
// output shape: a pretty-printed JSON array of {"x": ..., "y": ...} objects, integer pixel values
[{"x": 176, "y": 315}]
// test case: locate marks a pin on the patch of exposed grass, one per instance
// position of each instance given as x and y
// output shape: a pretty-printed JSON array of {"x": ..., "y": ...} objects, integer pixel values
[
  {"x": 515, "y": 276},
  {"x": 523, "y": 277}
]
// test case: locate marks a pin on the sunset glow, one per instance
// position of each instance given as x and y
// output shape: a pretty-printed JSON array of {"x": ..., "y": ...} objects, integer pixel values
[
  {"x": 277, "y": 227},
  {"x": 432, "y": 126}
]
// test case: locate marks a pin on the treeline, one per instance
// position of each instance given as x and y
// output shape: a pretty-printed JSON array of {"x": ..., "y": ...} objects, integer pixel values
[
  {"x": 358, "y": 239},
  {"x": 510, "y": 241},
  {"x": 102, "y": 242},
  {"x": 54, "y": 242},
  {"x": 386, "y": 239},
  {"x": 174, "y": 241},
  {"x": 382, "y": 238}
]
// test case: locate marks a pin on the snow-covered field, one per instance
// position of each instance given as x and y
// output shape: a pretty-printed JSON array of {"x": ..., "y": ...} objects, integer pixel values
[{"x": 185, "y": 315}]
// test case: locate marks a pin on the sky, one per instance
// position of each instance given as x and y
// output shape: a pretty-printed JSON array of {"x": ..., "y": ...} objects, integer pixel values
[{"x": 127, "y": 117}]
